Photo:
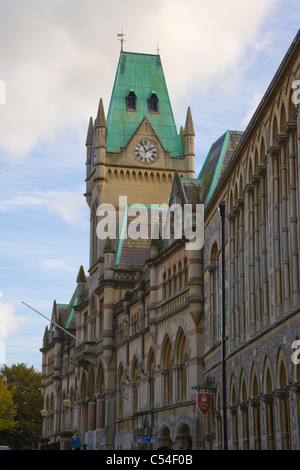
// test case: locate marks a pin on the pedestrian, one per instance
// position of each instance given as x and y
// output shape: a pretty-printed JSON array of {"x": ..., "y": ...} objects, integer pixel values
[{"x": 76, "y": 443}]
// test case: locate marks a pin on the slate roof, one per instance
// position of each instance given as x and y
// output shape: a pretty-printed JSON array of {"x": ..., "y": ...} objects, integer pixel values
[
  {"x": 192, "y": 189},
  {"x": 143, "y": 74},
  {"x": 132, "y": 253},
  {"x": 216, "y": 161}
]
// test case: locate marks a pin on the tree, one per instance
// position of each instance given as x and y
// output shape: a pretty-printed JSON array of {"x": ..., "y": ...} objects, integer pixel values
[
  {"x": 24, "y": 385},
  {"x": 7, "y": 408}
]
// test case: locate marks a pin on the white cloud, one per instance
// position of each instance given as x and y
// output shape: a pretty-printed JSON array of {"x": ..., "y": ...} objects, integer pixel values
[
  {"x": 54, "y": 265},
  {"x": 69, "y": 205},
  {"x": 9, "y": 322},
  {"x": 60, "y": 56},
  {"x": 255, "y": 102},
  {"x": 21, "y": 201}
]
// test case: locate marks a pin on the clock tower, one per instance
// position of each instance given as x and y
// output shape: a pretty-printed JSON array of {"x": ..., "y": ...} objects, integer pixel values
[{"x": 135, "y": 150}]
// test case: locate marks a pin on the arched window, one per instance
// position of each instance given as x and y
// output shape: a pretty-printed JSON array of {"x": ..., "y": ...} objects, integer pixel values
[
  {"x": 167, "y": 371},
  {"x": 153, "y": 103},
  {"x": 101, "y": 318},
  {"x": 164, "y": 286},
  {"x": 270, "y": 410},
  {"x": 131, "y": 101},
  {"x": 91, "y": 382},
  {"x": 151, "y": 379},
  {"x": 169, "y": 283},
  {"x": 120, "y": 391},
  {"x": 100, "y": 418},
  {"x": 135, "y": 387},
  {"x": 92, "y": 321},
  {"x": 234, "y": 417},
  {"x": 214, "y": 310},
  {"x": 245, "y": 414},
  {"x": 256, "y": 413},
  {"x": 284, "y": 408},
  {"x": 182, "y": 370}
]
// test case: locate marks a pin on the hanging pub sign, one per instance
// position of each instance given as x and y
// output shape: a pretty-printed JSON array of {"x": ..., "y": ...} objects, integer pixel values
[{"x": 203, "y": 402}]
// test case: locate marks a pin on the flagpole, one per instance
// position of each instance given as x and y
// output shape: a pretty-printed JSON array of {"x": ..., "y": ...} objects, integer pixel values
[{"x": 51, "y": 321}]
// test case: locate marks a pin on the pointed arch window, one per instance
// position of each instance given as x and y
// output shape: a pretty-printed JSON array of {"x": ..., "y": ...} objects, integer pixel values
[
  {"x": 135, "y": 386},
  {"x": 120, "y": 391},
  {"x": 153, "y": 103},
  {"x": 151, "y": 379},
  {"x": 131, "y": 101},
  {"x": 167, "y": 372},
  {"x": 181, "y": 367}
]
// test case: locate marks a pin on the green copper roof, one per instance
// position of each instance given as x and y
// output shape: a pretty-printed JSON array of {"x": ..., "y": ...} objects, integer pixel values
[
  {"x": 143, "y": 74},
  {"x": 218, "y": 157}
]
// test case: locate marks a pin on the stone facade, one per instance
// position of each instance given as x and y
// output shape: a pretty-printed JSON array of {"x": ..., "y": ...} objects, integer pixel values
[{"x": 155, "y": 319}]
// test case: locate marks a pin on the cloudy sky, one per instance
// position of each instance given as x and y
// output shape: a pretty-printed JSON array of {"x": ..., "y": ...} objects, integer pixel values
[{"x": 57, "y": 58}]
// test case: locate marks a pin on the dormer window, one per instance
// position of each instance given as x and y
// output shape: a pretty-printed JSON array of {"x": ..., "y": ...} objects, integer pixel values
[
  {"x": 131, "y": 101},
  {"x": 153, "y": 103}
]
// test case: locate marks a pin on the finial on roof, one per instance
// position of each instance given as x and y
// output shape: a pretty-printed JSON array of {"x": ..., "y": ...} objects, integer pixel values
[
  {"x": 100, "y": 119},
  {"x": 120, "y": 37},
  {"x": 89, "y": 137},
  {"x": 189, "y": 126},
  {"x": 81, "y": 275},
  {"x": 109, "y": 246}
]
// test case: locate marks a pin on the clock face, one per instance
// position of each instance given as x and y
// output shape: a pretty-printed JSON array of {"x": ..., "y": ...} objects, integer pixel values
[{"x": 145, "y": 151}]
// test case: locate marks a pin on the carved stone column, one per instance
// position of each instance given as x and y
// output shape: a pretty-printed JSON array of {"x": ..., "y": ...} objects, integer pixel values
[
  {"x": 283, "y": 401},
  {"x": 240, "y": 205},
  {"x": 236, "y": 276},
  {"x": 262, "y": 171},
  {"x": 234, "y": 426},
  {"x": 218, "y": 417},
  {"x": 274, "y": 153},
  {"x": 296, "y": 390},
  {"x": 282, "y": 140},
  {"x": 255, "y": 403},
  {"x": 270, "y": 420},
  {"x": 256, "y": 180},
  {"x": 100, "y": 413},
  {"x": 83, "y": 416},
  {"x": 213, "y": 302},
  {"x": 291, "y": 128},
  {"x": 245, "y": 419},
  {"x": 251, "y": 259},
  {"x": 231, "y": 219},
  {"x": 91, "y": 415}
]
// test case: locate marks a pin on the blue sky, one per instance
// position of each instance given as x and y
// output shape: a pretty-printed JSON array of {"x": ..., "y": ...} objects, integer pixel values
[{"x": 57, "y": 59}]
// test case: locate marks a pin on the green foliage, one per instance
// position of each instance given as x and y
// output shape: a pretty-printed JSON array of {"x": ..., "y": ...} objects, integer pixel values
[
  {"x": 24, "y": 385},
  {"x": 7, "y": 408}
]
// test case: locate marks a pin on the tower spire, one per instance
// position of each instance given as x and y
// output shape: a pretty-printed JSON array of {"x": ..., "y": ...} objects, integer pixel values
[
  {"x": 189, "y": 126},
  {"x": 100, "y": 119},
  {"x": 189, "y": 135},
  {"x": 89, "y": 137}
]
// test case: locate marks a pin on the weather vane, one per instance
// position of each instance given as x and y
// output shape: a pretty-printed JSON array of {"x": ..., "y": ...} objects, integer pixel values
[
  {"x": 158, "y": 50},
  {"x": 120, "y": 37}
]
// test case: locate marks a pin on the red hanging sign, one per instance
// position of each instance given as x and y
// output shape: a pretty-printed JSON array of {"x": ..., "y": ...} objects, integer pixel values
[{"x": 203, "y": 402}]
